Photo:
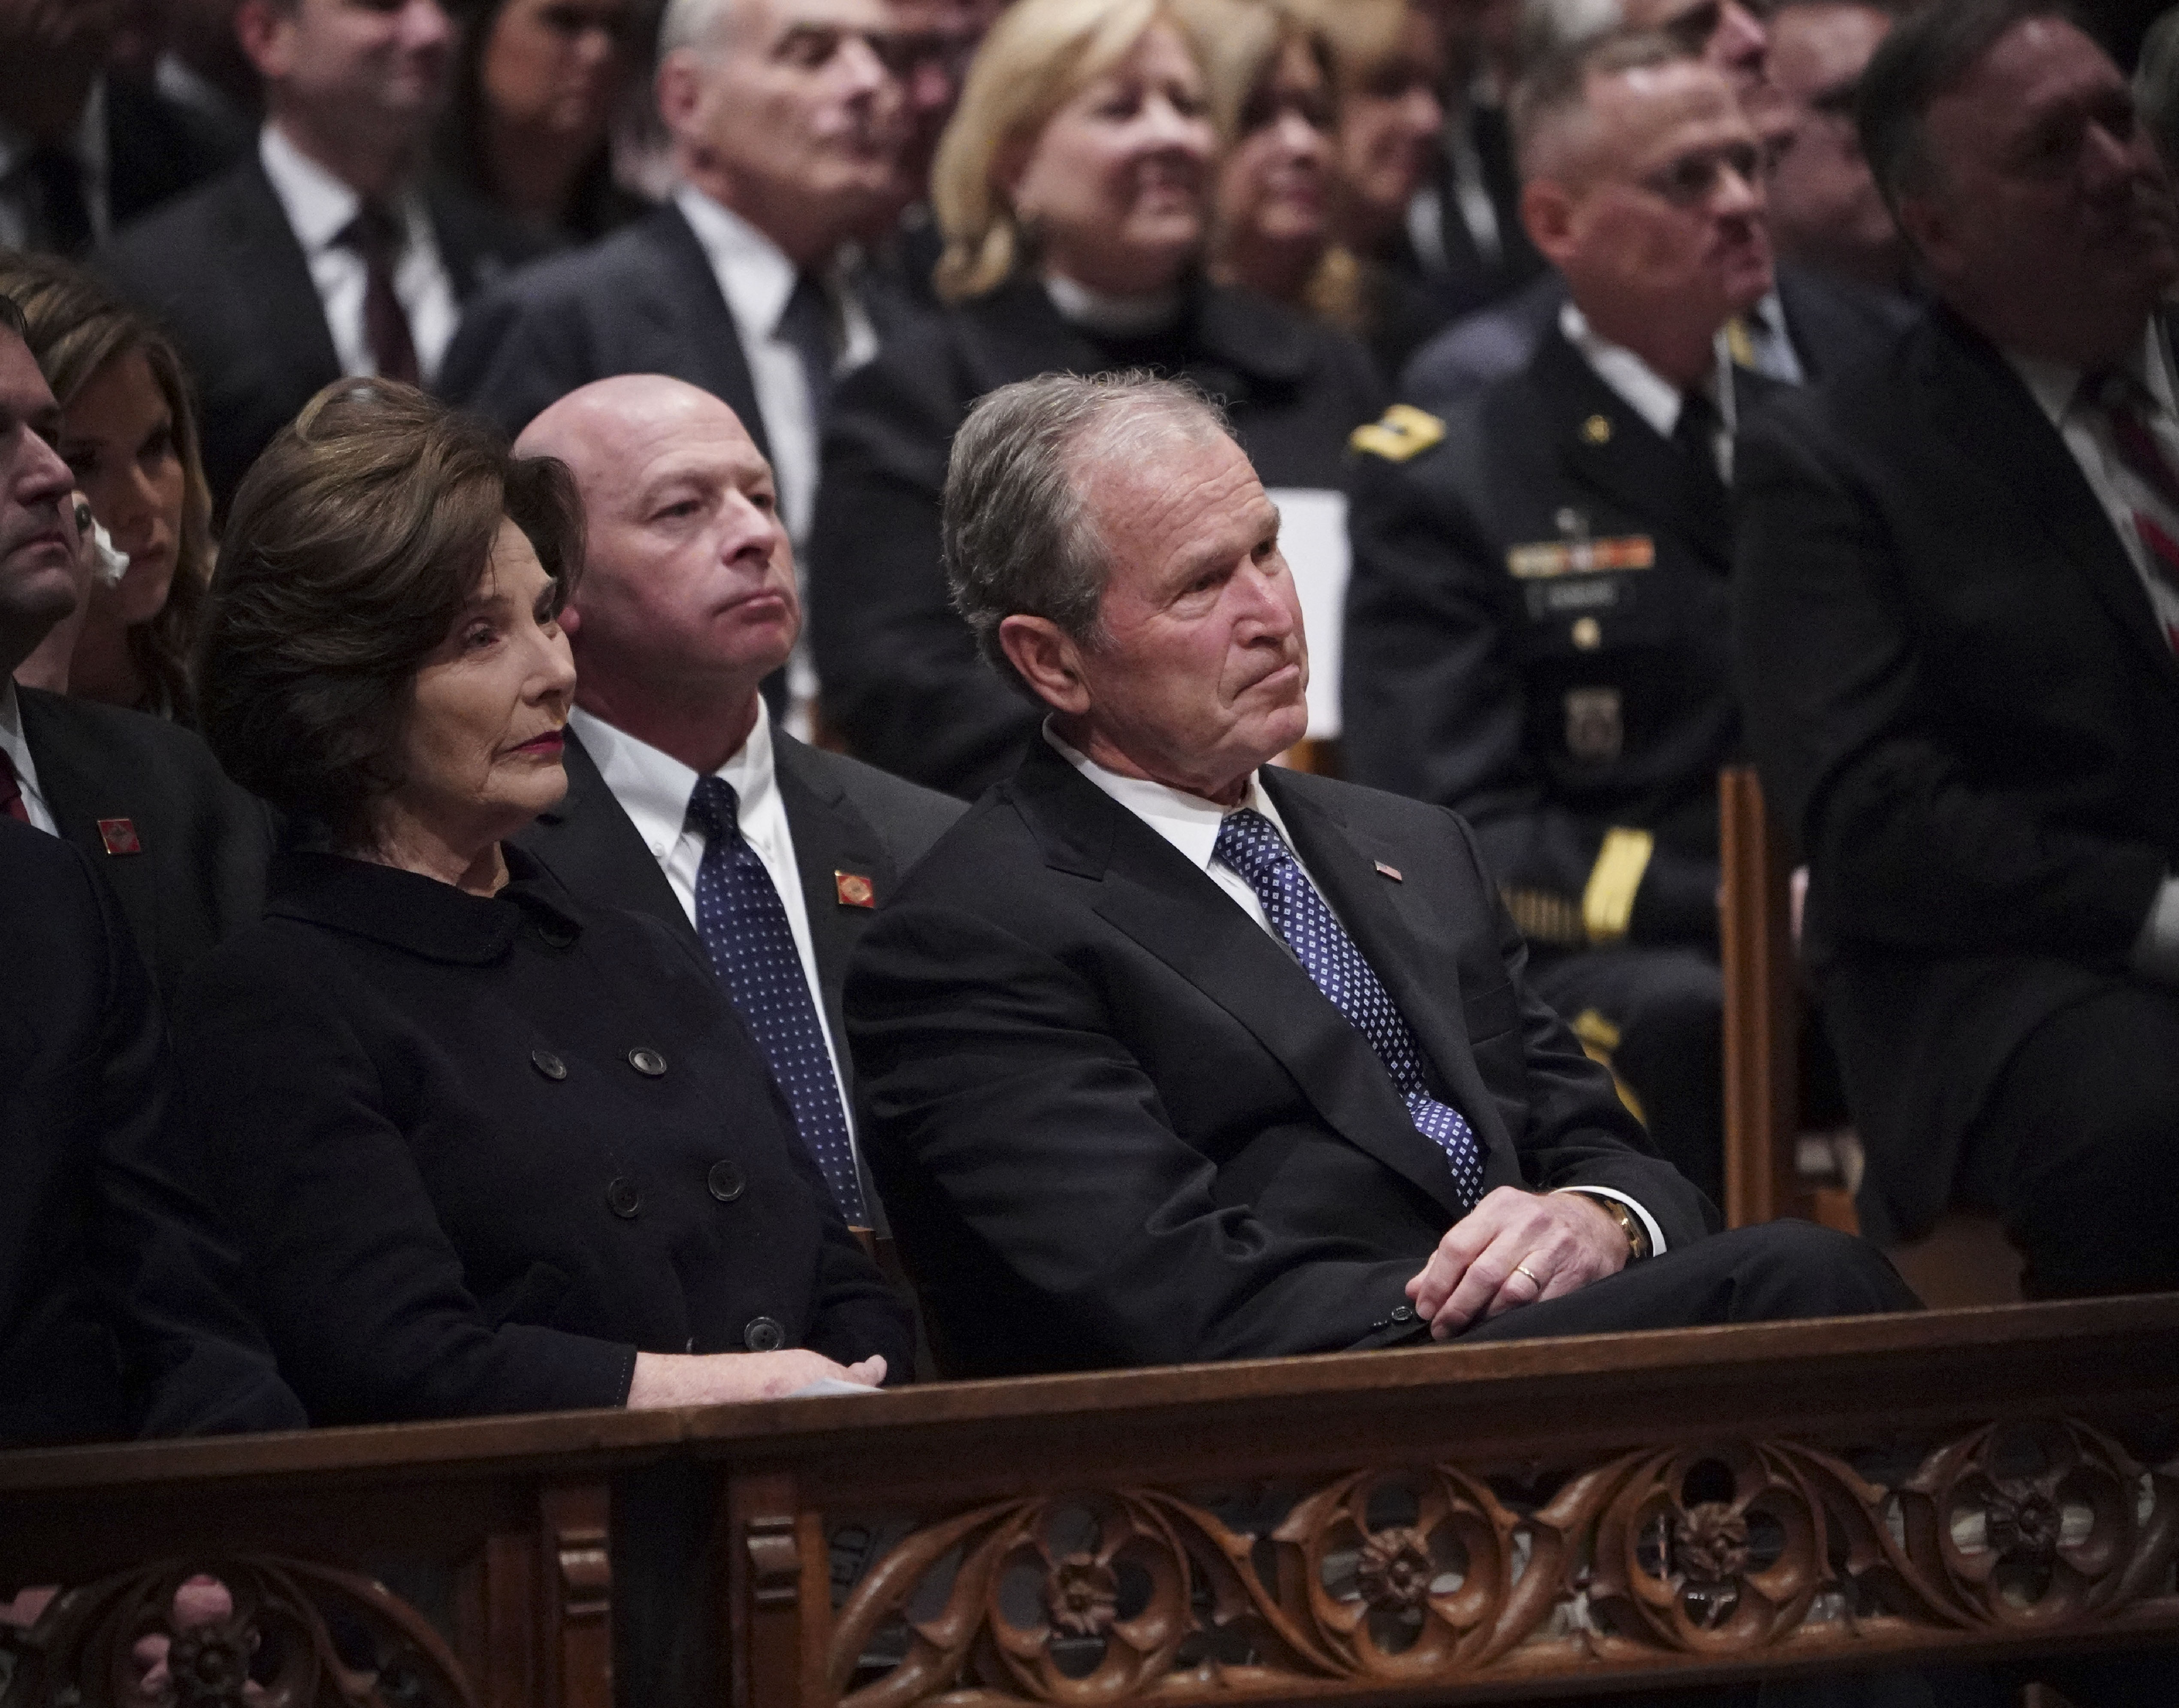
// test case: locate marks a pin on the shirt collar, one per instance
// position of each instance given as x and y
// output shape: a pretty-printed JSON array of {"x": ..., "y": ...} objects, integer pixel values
[
  {"x": 1642, "y": 389},
  {"x": 319, "y": 206},
  {"x": 2057, "y": 386},
  {"x": 653, "y": 787},
  {"x": 754, "y": 273},
  {"x": 1111, "y": 317},
  {"x": 1188, "y": 821}
]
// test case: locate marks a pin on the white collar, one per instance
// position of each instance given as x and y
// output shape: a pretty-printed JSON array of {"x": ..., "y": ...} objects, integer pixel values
[
  {"x": 1111, "y": 316},
  {"x": 1644, "y": 390},
  {"x": 1188, "y": 821},
  {"x": 654, "y": 787},
  {"x": 2057, "y": 386},
  {"x": 319, "y": 206},
  {"x": 755, "y": 274}
]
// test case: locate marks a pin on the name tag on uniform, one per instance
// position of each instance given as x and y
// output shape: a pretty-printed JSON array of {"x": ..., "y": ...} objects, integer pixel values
[{"x": 1550, "y": 557}]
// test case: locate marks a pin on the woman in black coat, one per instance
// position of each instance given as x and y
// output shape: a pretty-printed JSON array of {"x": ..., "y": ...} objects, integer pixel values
[
  {"x": 1072, "y": 186},
  {"x": 489, "y": 1151}
]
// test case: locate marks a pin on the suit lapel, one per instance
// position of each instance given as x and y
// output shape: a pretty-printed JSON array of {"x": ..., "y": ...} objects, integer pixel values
[
  {"x": 288, "y": 320},
  {"x": 1625, "y": 458},
  {"x": 1175, "y": 913},
  {"x": 831, "y": 838},
  {"x": 696, "y": 321},
  {"x": 592, "y": 847},
  {"x": 77, "y": 782},
  {"x": 1977, "y": 401}
]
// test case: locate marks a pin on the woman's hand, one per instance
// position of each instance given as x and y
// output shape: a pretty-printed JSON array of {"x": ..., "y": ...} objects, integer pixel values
[{"x": 670, "y": 1379}]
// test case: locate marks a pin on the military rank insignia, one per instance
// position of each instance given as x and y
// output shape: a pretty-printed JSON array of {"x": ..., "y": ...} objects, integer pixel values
[{"x": 1404, "y": 431}]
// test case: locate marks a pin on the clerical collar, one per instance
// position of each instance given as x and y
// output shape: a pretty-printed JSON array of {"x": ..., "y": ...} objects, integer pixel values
[{"x": 1111, "y": 317}]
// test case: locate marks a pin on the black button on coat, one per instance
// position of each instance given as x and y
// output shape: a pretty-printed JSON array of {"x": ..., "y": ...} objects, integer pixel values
[{"x": 437, "y": 1227}]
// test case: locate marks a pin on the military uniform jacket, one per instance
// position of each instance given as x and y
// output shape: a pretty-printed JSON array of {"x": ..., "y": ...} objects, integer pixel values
[
  {"x": 902, "y": 677},
  {"x": 483, "y": 1152},
  {"x": 1537, "y": 637}
]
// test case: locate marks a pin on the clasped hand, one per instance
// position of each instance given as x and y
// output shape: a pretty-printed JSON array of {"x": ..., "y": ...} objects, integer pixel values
[{"x": 1515, "y": 1248}]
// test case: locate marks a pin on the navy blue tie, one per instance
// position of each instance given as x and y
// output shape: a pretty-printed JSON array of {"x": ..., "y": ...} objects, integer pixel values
[
  {"x": 1249, "y": 843},
  {"x": 743, "y": 924}
]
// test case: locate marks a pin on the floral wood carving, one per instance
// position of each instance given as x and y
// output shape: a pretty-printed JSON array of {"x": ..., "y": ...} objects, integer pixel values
[
  {"x": 228, "y": 1633},
  {"x": 1732, "y": 1552}
]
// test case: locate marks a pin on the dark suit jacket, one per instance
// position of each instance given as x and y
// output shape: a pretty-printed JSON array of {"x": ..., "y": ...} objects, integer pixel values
[
  {"x": 465, "y": 1185},
  {"x": 902, "y": 677},
  {"x": 118, "y": 1294},
  {"x": 1115, "y": 1122},
  {"x": 222, "y": 269},
  {"x": 196, "y": 873},
  {"x": 1544, "y": 703},
  {"x": 156, "y": 149},
  {"x": 1966, "y": 714},
  {"x": 1832, "y": 322},
  {"x": 845, "y": 818}
]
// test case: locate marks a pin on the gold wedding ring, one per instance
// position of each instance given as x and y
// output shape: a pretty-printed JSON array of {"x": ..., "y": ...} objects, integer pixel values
[{"x": 1523, "y": 1269}]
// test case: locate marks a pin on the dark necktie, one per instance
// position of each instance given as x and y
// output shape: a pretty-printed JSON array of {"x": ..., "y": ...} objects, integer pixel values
[
  {"x": 62, "y": 203},
  {"x": 805, "y": 324},
  {"x": 12, "y": 804},
  {"x": 2142, "y": 453},
  {"x": 377, "y": 235},
  {"x": 1695, "y": 434},
  {"x": 743, "y": 925},
  {"x": 1249, "y": 843}
]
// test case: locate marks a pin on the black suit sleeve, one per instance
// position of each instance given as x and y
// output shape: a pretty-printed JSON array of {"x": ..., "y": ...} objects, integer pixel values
[
  {"x": 1905, "y": 841},
  {"x": 194, "y": 1361},
  {"x": 512, "y": 357},
  {"x": 903, "y": 678},
  {"x": 1003, "y": 1103},
  {"x": 363, "y": 1294},
  {"x": 1434, "y": 705}
]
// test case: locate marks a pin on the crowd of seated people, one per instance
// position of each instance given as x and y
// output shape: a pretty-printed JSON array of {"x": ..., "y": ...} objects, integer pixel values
[{"x": 646, "y": 650}]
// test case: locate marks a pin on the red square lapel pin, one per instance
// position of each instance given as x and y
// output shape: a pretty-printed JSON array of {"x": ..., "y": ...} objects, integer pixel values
[
  {"x": 854, "y": 890},
  {"x": 119, "y": 836}
]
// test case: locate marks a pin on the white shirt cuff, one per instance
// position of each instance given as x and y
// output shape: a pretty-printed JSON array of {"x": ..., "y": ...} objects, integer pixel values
[
  {"x": 2156, "y": 950},
  {"x": 1649, "y": 1222}
]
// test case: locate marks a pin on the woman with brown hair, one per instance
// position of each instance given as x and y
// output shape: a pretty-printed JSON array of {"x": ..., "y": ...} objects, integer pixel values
[
  {"x": 130, "y": 437},
  {"x": 1073, "y": 187}
]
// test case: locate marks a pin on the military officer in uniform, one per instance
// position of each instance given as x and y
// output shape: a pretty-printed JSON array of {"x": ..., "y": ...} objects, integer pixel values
[{"x": 1537, "y": 622}]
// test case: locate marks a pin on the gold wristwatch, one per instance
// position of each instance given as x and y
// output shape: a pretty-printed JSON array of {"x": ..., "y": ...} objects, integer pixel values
[{"x": 1630, "y": 1224}]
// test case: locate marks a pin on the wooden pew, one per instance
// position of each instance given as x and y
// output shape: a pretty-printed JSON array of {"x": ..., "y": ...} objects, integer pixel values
[{"x": 1446, "y": 1525}]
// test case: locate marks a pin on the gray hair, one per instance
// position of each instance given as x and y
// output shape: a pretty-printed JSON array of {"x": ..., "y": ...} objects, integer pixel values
[
  {"x": 695, "y": 24},
  {"x": 1017, "y": 538},
  {"x": 1555, "y": 88},
  {"x": 1554, "y": 26}
]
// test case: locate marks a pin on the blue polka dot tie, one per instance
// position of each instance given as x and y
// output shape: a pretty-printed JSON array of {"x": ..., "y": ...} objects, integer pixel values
[
  {"x": 742, "y": 922},
  {"x": 1249, "y": 845}
]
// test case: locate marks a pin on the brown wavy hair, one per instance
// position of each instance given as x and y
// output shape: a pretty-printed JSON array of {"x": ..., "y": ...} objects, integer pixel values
[
  {"x": 352, "y": 545},
  {"x": 75, "y": 327}
]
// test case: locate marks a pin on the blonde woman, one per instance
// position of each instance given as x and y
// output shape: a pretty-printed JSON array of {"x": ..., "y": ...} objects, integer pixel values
[{"x": 1073, "y": 188}]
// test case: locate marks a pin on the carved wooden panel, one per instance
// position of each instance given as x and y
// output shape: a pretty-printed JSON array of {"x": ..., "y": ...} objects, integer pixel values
[
  {"x": 222, "y": 1632},
  {"x": 1434, "y": 1577}
]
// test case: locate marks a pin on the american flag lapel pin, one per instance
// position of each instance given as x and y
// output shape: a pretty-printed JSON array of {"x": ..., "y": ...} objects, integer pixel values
[{"x": 119, "y": 836}]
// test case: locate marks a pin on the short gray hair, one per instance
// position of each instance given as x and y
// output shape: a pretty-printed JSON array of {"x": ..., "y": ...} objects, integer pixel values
[
  {"x": 1017, "y": 536},
  {"x": 695, "y": 24}
]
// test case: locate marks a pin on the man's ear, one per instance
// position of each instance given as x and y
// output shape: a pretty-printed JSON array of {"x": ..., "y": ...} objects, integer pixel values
[
  {"x": 1547, "y": 212},
  {"x": 266, "y": 30},
  {"x": 1048, "y": 661},
  {"x": 679, "y": 89}
]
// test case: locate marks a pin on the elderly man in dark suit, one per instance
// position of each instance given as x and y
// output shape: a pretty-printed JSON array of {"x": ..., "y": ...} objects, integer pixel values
[
  {"x": 1172, "y": 1055},
  {"x": 1536, "y": 629},
  {"x": 326, "y": 252},
  {"x": 183, "y": 849},
  {"x": 684, "y": 801},
  {"x": 1957, "y": 609},
  {"x": 787, "y": 117}
]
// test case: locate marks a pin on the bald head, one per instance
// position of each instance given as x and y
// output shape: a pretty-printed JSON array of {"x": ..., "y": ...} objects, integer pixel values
[{"x": 686, "y": 600}]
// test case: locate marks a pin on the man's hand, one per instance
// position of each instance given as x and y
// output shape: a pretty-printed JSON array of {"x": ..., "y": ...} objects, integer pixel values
[
  {"x": 671, "y": 1379},
  {"x": 1515, "y": 1248}
]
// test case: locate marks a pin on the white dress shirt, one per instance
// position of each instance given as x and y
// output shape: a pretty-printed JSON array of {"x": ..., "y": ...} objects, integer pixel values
[
  {"x": 18, "y": 754},
  {"x": 320, "y": 207},
  {"x": 1648, "y": 393},
  {"x": 757, "y": 280},
  {"x": 1191, "y": 824},
  {"x": 2086, "y": 431},
  {"x": 20, "y": 219},
  {"x": 654, "y": 788}
]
